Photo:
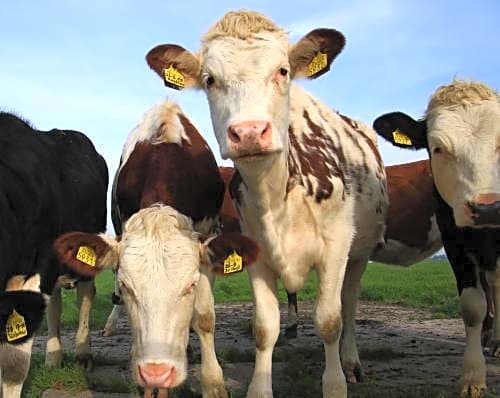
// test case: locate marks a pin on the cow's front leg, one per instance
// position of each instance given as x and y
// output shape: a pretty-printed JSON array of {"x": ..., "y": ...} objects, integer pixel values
[
  {"x": 348, "y": 348},
  {"x": 493, "y": 278},
  {"x": 212, "y": 380},
  {"x": 328, "y": 317},
  {"x": 473, "y": 304},
  {"x": 266, "y": 329},
  {"x": 85, "y": 294},
  {"x": 53, "y": 352}
]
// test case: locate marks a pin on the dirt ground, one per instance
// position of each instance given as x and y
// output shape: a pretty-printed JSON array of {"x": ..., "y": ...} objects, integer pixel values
[{"x": 402, "y": 350}]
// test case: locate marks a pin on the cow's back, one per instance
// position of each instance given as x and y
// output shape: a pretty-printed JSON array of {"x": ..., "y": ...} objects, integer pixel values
[{"x": 51, "y": 183}]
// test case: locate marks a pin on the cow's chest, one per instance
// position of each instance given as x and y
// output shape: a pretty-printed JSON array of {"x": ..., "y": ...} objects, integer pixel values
[{"x": 291, "y": 238}]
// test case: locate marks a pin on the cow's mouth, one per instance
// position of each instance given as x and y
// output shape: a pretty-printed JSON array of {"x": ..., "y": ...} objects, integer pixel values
[{"x": 254, "y": 156}]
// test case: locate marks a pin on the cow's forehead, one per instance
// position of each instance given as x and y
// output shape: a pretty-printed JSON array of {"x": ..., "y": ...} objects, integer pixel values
[
  {"x": 260, "y": 49},
  {"x": 465, "y": 122}
]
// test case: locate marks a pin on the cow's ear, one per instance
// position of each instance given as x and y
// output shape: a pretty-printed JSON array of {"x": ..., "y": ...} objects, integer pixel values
[
  {"x": 314, "y": 53},
  {"x": 21, "y": 313},
  {"x": 178, "y": 67},
  {"x": 87, "y": 254},
  {"x": 402, "y": 130},
  {"x": 229, "y": 253}
]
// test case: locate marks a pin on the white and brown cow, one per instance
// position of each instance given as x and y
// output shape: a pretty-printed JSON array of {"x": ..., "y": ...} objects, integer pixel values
[
  {"x": 310, "y": 187},
  {"x": 168, "y": 194},
  {"x": 461, "y": 132},
  {"x": 412, "y": 233}
]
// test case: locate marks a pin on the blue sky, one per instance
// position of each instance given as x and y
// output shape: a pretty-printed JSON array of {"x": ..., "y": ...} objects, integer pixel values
[{"x": 80, "y": 64}]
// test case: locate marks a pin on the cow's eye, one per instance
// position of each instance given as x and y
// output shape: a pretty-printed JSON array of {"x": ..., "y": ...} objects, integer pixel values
[
  {"x": 437, "y": 150},
  {"x": 283, "y": 71},
  {"x": 209, "y": 81}
]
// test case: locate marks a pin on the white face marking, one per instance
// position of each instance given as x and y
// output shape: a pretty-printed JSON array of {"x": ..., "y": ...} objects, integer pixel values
[
  {"x": 464, "y": 143},
  {"x": 158, "y": 273},
  {"x": 243, "y": 83}
]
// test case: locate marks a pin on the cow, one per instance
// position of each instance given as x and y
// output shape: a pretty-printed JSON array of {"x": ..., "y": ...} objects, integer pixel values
[
  {"x": 461, "y": 133},
  {"x": 168, "y": 193},
  {"x": 51, "y": 182},
  {"x": 310, "y": 186},
  {"x": 411, "y": 233}
]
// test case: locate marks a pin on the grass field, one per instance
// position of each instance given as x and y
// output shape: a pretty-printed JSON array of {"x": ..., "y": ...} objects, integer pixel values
[{"x": 429, "y": 285}]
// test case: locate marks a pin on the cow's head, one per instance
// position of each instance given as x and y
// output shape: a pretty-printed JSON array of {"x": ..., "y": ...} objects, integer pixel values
[
  {"x": 159, "y": 259},
  {"x": 245, "y": 67},
  {"x": 461, "y": 131}
]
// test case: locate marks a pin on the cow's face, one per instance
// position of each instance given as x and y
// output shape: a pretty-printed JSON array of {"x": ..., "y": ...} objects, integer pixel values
[
  {"x": 245, "y": 67},
  {"x": 159, "y": 258},
  {"x": 462, "y": 136}
]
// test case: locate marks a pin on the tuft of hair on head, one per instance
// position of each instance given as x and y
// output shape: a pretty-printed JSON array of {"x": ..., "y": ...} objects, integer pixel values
[
  {"x": 461, "y": 92},
  {"x": 241, "y": 24}
]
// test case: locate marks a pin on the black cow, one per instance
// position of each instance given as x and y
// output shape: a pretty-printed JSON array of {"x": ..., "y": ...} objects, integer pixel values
[
  {"x": 50, "y": 183},
  {"x": 461, "y": 132}
]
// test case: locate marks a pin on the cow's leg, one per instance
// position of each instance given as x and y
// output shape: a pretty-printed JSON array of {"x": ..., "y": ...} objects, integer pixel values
[
  {"x": 266, "y": 329},
  {"x": 473, "y": 305},
  {"x": 493, "y": 278},
  {"x": 212, "y": 380},
  {"x": 53, "y": 353},
  {"x": 110, "y": 327},
  {"x": 348, "y": 348},
  {"x": 85, "y": 293},
  {"x": 291, "y": 321},
  {"x": 14, "y": 367},
  {"x": 328, "y": 317}
]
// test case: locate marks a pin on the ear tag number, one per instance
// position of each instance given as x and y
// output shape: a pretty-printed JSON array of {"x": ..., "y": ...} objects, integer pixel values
[
  {"x": 401, "y": 138},
  {"x": 15, "y": 327},
  {"x": 233, "y": 263},
  {"x": 318, "y": 63},
  {"x": 86, "y": 255},
  {"x": 173, "y": 78}
]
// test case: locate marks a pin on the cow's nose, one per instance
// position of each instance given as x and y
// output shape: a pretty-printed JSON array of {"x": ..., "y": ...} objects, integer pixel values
[
  {"x": 485, "y": 209},
  {"x": 159, "y": 375},
  {"x": 254, "y": 133}
]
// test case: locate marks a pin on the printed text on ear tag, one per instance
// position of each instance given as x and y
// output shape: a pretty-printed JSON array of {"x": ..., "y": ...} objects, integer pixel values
[
  {"x": 15, "y": 327},
  {"x": 173, "y": 78},
  {"x": 401, "y": 138},
  {"x": 318, "y": 63},
  {"x": 233, "y": 263},
  {"x": 86, "y": 255}
]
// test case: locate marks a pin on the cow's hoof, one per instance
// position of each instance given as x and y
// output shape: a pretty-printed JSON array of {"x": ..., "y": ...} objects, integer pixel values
[
  {"x": 107, "y": 332},
  {"x": 472, "y": 391},
  {"x": 85, "y": 361},
  {"x": 291, "y": 332},
  {"x": 53, "y": 359},
  {"x": 353, "y": 373},
  {"x": 495, "y": 349}
]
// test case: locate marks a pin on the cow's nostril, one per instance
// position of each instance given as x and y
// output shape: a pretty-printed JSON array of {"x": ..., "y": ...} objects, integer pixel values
[{"x": 233, "y": 135}]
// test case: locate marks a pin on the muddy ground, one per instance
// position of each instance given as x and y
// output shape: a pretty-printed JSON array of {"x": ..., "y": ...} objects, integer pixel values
[{"x": 404, "y": 354}]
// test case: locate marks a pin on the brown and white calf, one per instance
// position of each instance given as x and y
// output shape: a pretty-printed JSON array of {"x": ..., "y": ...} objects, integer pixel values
[
  {"x": 461, "y": 132},
  {"x": 168, "y": 193},
  {"x": 310, "y": 187}
]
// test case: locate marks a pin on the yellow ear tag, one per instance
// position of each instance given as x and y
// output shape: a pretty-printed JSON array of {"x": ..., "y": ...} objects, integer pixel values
[
  {"x": 15, "y": 327},
  {"x": 86, "y": 255},
  {"x": 318, "y": 63},
  {"x": 233, "y": 263},
  {"x": 401, "y": 138},
  {"x": 173, "y": 78}
]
